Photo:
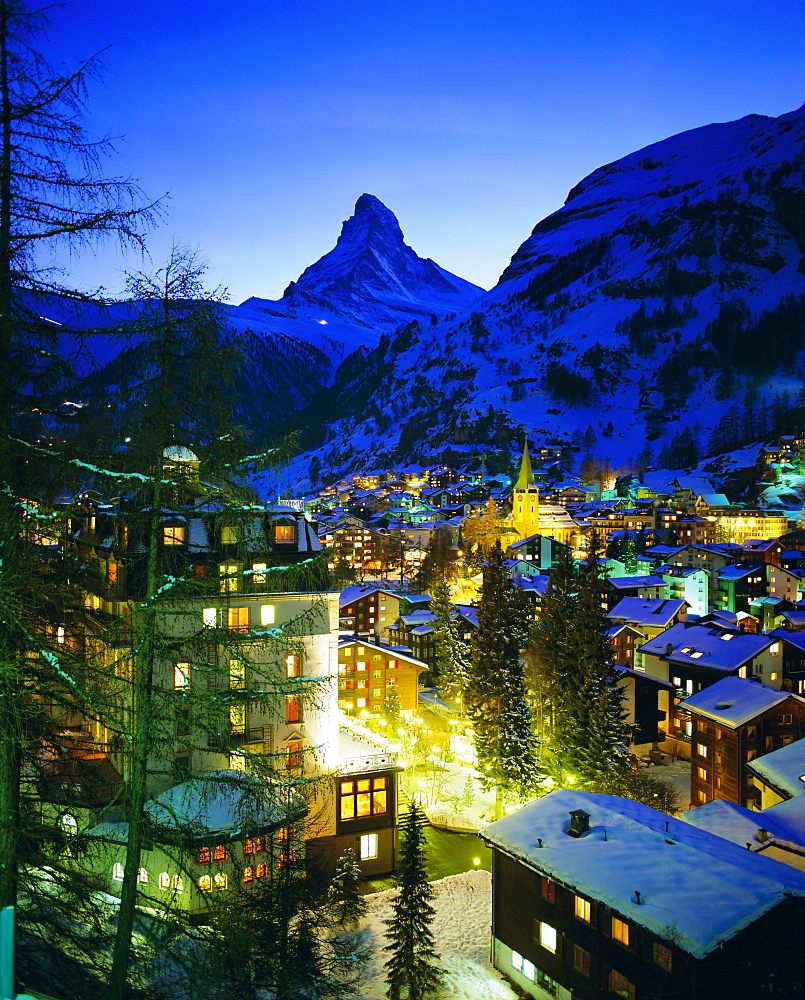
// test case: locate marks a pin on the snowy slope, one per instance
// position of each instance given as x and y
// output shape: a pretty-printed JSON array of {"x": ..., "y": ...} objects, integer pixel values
[{"x": 668, "y": 292}]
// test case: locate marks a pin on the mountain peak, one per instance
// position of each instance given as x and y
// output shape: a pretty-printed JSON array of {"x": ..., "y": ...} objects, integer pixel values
[{"x": 373, "y": 274}]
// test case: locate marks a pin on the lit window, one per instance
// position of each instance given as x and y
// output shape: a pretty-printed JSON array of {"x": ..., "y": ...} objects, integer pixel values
[
  {"x": 517, "y": 961},
  {"x": 582, "y": 909},
  {"x": 701, "y": 749},
  {"x": 230, "y": 534},
  {"x": 528, "y": 970},
  {"x": 205, "y": 883},
  {"x": 229, "y": 578},
  {"x": 248, "y": 874},
  {"x": 210, "y": 617},
  {"x": 293, "y": 666},
  {"x": 262, "y": 870},
  {"x": 220, "y": 853},
  {"x": 361, "y": 703},
  {"x": 238, "y": 619},
  {"x": 259, "y": 574},
  {"x": 181, "y": 676},
  {"x": 368, "y": 846},
  {"x": 293, "y": 710},
  {"x": 220, "y": 880},
  {"x": 174, "y": 534},
  {"x": 248, "y": 847},
  {"x": 284, "y": 534},
  {"x": 547, "y": 936},
  {"x": 361, "y": 665},
  {"x": 164, "y": 880},
  {"x": 366, "y": 797},
  {"x": 774, "y": 649},
  {"x": 143, "y": 876},
  {"x": 204, "y": 856},
  {"x": 237, "y": 674},
  {"x": 117, "y": 872},
  {"x": 267, "y": 614},
  {"x": 294, "y": 758},
  {"x": 701, "y": 773},
  {"x": 620, "y": 931}
]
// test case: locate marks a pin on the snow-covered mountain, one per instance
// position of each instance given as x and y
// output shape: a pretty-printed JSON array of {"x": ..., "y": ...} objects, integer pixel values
[
  {"x": 371, "y": 278},
  {"x": 661, "y": 310}
]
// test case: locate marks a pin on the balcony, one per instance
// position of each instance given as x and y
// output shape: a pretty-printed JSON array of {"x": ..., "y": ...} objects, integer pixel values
[{"x": 367, "y": 762}]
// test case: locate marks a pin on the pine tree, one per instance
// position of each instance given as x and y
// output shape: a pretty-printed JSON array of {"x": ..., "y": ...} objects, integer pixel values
[
  {"x": 344, "y": 901},
  {"x": 589, "y": 737},
  {"x": 411, "y": 969},
  {"x": 452, "y": 653},
  {"x": 505, "y": 744}
]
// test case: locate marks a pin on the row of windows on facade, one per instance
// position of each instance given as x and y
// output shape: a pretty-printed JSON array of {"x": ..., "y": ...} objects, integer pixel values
[
  {"x": 363, "y": 797},
  {"x": 237, "y": 672},
  {"x": 360, "y": 685},
  {"x": 619, "y": 930},
  {"x": 617, "y": 982},
  {"x": 176, "y": 534}
]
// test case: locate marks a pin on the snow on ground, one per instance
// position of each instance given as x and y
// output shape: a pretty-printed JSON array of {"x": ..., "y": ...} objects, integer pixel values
[{"x": 461, "y": 927}]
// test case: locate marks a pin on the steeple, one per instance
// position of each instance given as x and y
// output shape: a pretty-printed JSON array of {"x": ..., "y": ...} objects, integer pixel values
[{"x": 526, "y": 478}]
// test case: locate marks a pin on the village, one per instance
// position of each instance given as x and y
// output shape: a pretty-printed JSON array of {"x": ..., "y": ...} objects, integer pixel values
[{"x": 326, "y": 711}]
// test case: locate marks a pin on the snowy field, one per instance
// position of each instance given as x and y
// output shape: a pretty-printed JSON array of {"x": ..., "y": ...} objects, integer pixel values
[{"x": 461, "y": 927}]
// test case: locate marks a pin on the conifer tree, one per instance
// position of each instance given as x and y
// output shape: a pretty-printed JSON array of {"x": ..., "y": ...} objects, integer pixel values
[
  {"x": 505, "y": 744},
  {"x": 452, "y": 652},
  {"x": 411, "y": 969},
  {"x": 573, "y": 671},
  {"x": 344, "y": 901}
]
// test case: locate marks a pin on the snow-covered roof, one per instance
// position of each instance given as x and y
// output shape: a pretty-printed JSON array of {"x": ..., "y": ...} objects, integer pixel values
[
  {"x": 782, "y": 769},
  {"x": 740, "y": 825},
  {"x": 705, "y": 887},
  {"x": 734, "y": 701},
  {"x": 627, "y": 582},
  {"x": 707, "y": 645},
  {"x": 647, "y": 611},
  {"x": 224, "y": 802}
]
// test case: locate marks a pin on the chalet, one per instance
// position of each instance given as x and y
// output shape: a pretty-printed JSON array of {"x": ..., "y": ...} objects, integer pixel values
[
  {"x": 367, "y": 670},
  {"x": 224, "y": 832},
  {"x": 785, "y": 583},
  {"x": 791, "y": 646},
  {"x": 647, "y": 588},
  {"x": 649, "y": 616},
  {"x": 587, "y": 901},
  {"x": 678, "y": 528},
  {"x": 734, "y": 721},
  {"x": 368, "y": 611},
  {"x": 625, "y": 639},
  {"x": 739, "y": 584},
  {"x": 693, "y": 657},
  {"x": 740, "y": 526},
  {"x": 643, "y": 715},
  {"x": 766, "y": 550},
  {"x": 541, "y": 550},
  {"x": 686, "y": 583}
]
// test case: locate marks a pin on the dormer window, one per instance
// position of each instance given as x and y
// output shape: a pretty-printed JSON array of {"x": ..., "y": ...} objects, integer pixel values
[{"x": 284, "y": 534}]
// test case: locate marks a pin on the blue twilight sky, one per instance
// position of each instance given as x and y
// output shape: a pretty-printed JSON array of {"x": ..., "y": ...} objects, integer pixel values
[{"x": 264, "y": 120}]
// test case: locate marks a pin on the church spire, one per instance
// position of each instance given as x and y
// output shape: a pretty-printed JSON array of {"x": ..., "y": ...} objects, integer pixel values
[{"x": 526, "y": 478}]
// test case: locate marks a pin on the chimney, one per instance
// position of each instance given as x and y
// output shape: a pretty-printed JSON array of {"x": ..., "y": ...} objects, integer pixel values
[
  {"x": 579, "y": 823},
  {"x": 763, "y": 835}
]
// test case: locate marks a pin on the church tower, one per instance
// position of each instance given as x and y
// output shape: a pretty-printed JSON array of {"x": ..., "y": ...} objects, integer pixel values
[{"x": 525, "y": 499}]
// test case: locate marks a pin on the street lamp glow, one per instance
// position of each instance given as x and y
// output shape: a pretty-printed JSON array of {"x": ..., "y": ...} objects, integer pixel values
[{"x": 476, "y": 861}]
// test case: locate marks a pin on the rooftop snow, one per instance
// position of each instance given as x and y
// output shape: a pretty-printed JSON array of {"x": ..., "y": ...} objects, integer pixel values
[
  {"x": 783, "y": 768},
  {"x": 706, "y": 646},
  {"x": 706, "y": 887},
  {"x": 733, "y": 701},
  {"x": 646, "y": 612}
]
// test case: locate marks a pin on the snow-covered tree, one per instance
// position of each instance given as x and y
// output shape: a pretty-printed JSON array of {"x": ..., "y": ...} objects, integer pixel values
[
  {"x": 505, "y": 744},
  {"x": 452, "y": 652},
  {"x": 344, "y": 901},
  {"x": 412, "y": 972}
]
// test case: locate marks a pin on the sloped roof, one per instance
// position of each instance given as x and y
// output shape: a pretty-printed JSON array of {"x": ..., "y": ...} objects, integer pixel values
[
  {"x": 646, "y": 611},
  {"x": 781, "y": 769},
  {"x": 734, "y": 701},
  {"x": 707, "y": 888},
  {"x": 707, "y": 646}
]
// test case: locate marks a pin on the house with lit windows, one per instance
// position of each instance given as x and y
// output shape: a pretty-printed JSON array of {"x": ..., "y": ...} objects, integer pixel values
[
  {"x": 735, "y": 721},
  {"x": 367, "y": 671},
  {"x": 693, "y": 656},
  {"x": 208, "y": 835},
  {"x": 369, "y": 611},
  {"x": 597, "y": 896}
]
